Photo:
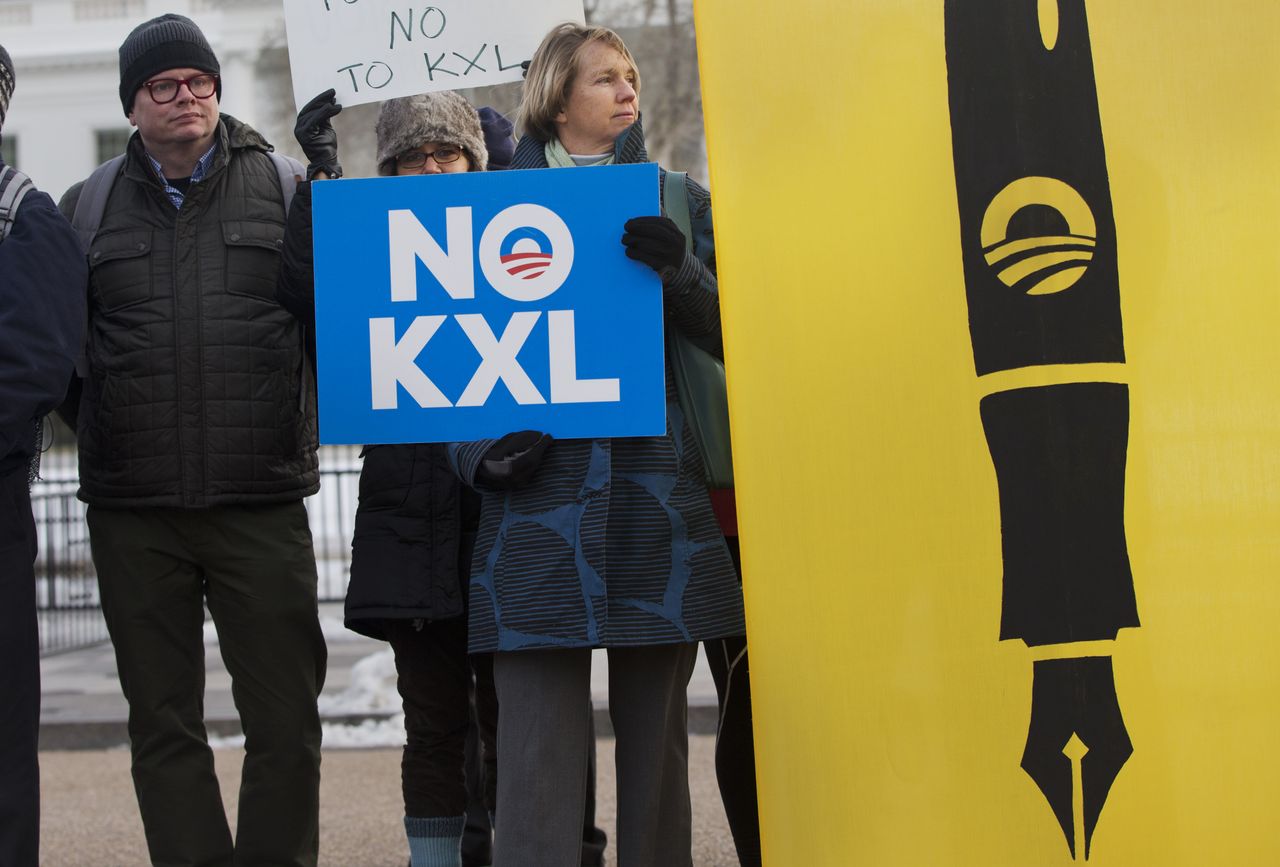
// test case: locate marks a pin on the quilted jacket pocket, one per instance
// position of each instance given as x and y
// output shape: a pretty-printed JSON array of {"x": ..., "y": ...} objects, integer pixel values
[
  {"x": 121, "y": 265},
  {"x": 253, "y": 257}
]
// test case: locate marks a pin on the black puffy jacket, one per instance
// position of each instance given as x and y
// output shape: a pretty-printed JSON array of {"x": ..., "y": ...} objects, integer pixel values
[
  {"x": 197, "y": 392},
  {"x": 414, "y": 536}
]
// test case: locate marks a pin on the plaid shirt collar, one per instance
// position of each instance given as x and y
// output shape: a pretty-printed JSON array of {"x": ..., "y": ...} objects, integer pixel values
[{"x": 202, "y": 168}]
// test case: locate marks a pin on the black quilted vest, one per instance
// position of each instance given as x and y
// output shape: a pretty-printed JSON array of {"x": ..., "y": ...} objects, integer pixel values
[{"x": 197, "y": 392}]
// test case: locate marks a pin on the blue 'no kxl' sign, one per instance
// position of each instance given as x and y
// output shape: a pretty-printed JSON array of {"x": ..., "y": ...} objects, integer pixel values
[{"x": 459, "y": 307}]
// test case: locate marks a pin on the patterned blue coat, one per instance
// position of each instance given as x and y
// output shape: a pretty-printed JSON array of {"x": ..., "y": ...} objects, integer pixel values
[{"x": 614, "y": 542}]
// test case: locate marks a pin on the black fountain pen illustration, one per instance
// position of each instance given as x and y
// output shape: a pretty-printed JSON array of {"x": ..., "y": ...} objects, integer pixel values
[{"x": 1039, "y": 247}]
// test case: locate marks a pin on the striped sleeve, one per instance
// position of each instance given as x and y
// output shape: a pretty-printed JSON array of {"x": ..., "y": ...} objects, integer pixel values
[
  {"x": 465, "y": 459},
  {"x": 692, "y": 302}
]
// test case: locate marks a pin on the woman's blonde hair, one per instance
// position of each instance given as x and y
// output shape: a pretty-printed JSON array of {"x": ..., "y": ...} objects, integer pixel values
[{"x": 552, "y": 71}]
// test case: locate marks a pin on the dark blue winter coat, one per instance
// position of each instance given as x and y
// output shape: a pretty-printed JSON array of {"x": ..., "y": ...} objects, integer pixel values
[
  {"x": 613, "y": 543},
  {"x": 42, "y": 321}
]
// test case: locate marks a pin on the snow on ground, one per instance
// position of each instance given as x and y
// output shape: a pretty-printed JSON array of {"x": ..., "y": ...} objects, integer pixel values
[
  {"x": 368, "y": 734},
  {"x": 230, "y": 742},
  {"x": 335, "y": 631},
  {"x": 387, "y": 732},
  {"x": 372, "y": 690}
]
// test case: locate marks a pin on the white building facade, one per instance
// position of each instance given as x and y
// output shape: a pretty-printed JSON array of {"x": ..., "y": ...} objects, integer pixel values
[{"x": 65, "y": 117}]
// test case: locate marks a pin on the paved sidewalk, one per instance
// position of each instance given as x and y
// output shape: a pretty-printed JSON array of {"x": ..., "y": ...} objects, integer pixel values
[{"x": 90, "y": 817}]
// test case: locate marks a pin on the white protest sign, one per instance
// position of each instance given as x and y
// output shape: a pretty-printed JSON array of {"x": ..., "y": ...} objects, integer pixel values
[{"x": 371, "y": 50}]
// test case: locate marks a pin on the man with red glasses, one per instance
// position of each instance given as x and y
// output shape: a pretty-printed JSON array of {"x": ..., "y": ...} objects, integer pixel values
[{"x": 197, "y": 432}]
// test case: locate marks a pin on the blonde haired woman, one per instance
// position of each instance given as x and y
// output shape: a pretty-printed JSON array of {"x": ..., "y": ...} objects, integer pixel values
[{"x": 599, "y": 543}]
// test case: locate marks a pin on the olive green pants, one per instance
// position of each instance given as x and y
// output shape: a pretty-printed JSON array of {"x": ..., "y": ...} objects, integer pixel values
[{"x": 255, "y": 568}]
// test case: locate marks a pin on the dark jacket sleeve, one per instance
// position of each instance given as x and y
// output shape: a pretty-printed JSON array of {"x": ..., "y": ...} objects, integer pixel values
[
  {"x": 692, "y": 297},
  {"x": 69, "y": 409},
  {"x": 43, "y": 286},
  {"x": 296, "y": 285}
]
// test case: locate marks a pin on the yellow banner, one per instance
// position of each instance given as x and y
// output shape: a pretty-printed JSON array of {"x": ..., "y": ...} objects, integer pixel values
[{"x": 1001, "y": 295}]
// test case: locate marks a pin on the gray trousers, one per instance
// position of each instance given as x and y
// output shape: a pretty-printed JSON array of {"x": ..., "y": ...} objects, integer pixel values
[
  {"x": 254, "y": 567},
  {"x": 544, "y": 708}
]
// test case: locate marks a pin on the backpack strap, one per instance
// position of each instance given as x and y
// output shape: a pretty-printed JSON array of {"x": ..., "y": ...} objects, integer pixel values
[
  {"x": 92, "y": 203},
  {"x": 675, "y": 201},
  {"x": 699, "y": 376},
  {"x": 291, "y": 172},
  {"x": 14, "y": 186},
  {"x": 87, "y": 217}
]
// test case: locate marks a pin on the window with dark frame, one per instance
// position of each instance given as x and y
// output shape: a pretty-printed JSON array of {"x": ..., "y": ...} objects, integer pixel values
[{"x": 111, "y": 143}]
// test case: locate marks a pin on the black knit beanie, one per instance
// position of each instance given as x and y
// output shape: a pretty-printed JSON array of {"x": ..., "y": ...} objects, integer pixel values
[
  {"x": 168, "y": 42},
  {"x": 6, "y": 83}
]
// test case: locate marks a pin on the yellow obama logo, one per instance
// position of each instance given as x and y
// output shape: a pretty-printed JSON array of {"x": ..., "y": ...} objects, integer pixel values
[{"x": 1042, "y": 264}]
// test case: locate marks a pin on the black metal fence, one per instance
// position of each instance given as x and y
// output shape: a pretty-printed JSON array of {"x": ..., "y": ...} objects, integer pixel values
[
  {"x": 68, "y": 607},
  {"x": 66, "y": 585}
]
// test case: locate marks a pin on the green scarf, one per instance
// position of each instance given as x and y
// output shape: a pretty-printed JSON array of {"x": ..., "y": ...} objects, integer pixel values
[{"x": 558, "y": 157}]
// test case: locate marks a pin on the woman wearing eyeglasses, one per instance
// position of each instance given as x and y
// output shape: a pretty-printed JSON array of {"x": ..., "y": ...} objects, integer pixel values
[
  {"x": 608, "y": 543},
  {"x": 415, "y": 523}
]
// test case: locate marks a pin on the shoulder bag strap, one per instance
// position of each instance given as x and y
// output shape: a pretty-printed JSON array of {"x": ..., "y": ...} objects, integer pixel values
[{"x": 699, "y": 375}]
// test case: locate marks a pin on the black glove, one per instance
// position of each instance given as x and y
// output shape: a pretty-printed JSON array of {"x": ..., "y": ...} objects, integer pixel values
[
  {"x": 315, "y": 134},
  {"x": 657, "y": 242},
  {"x": 511, "y": 461}
]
